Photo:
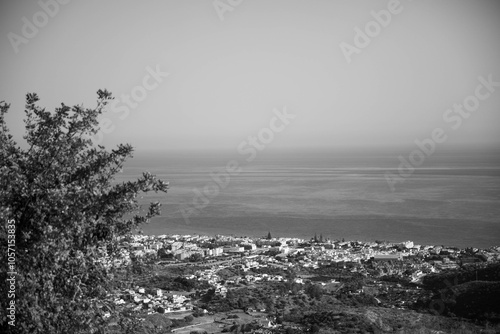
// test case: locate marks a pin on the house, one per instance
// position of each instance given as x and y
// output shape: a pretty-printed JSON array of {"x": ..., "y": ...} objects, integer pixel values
[
  {"x": 386, "y": 257},
  {"x": 234, "y": 249}
]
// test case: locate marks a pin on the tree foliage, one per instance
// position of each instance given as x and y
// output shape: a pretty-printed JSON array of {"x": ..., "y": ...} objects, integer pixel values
[
  {"x": 314, "y": 291},
  {"x": 68, "y": 212}
]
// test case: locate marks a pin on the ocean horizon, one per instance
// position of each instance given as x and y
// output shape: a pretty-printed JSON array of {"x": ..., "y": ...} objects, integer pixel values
[{"x": 452, "y": 199}]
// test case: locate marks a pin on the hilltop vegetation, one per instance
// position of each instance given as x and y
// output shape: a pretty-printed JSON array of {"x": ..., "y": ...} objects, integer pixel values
[
  {"x": 467, "y": 292},
  {"x": 463, "y": 275},
  {"x": 65, "y": 214}
]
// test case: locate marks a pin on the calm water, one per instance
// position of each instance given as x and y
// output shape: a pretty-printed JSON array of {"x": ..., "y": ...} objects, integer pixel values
[{"x": 452, "y": 199}]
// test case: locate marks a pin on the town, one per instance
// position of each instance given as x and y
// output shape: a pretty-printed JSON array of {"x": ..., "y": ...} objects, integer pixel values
[{"x": 198, "y": 284}]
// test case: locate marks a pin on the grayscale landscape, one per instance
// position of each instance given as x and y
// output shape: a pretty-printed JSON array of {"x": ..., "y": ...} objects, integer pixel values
[{"x": 250, "y": 166}]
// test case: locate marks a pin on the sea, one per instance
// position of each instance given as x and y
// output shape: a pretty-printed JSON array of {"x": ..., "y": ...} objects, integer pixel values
[{"x": 452, "y": 198}]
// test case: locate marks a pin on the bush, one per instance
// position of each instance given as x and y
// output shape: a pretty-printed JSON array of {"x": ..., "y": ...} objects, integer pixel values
[{"x": 59, "y": 195}]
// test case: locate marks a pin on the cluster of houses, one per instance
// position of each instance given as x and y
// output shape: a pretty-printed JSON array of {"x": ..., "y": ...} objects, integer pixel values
[
  {"x": 241, "y": 255},
  {"x": 210, "y": 275},
  {"x": 156, "y": 300},
  {"x": 288, "y": 251}
]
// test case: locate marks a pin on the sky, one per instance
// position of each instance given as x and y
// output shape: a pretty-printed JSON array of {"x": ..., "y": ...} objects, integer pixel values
[{"x": 209, "y": 74}]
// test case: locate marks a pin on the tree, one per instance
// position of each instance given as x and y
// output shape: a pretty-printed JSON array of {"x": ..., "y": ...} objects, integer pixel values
[
  {"x": 207, "y": 297},
  {"x": 196, "y": 257},
  {"x": 68, "y": 211},
  {"x": 269, "y": 235},
  {"x": 314, "y": 291},
  {"x": 184, "y": 283}
]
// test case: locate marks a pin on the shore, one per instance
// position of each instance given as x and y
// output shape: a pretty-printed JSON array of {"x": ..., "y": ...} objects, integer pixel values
[{"x": 445, "y": 232}]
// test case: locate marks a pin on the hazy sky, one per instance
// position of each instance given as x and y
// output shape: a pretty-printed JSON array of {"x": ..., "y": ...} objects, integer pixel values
[{"x": 226, "y": 76}]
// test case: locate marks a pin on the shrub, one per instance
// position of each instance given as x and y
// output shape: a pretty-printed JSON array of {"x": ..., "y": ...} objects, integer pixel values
[{"x": 67, "y": 211}]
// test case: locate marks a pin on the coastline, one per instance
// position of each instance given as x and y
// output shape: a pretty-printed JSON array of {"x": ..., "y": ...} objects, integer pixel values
[{"x": 422, "y": 231}]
